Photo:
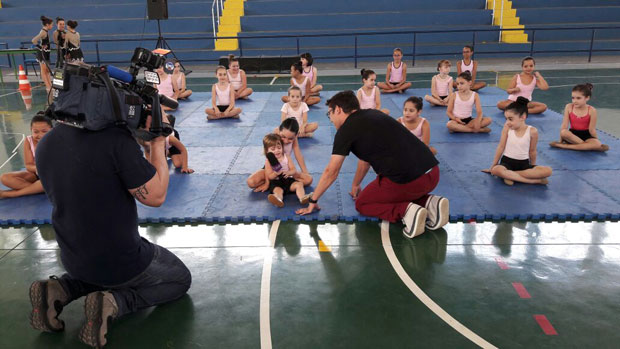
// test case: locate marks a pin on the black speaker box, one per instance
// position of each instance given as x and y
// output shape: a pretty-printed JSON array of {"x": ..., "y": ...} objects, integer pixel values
[{"x": 157, "y": 9}]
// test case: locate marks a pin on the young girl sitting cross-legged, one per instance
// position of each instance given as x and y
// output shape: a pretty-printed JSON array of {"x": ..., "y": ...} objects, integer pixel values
[
  {"x": 27, "y": 182},
  {"x": 515, "y": 157},
  {"x": 581, "y": 135},
  {"x": 460, "y": 106}
]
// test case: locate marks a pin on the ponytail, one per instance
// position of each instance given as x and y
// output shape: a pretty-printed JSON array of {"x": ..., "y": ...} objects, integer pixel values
[
  {"x": 45, "y": 21},
  {"x": 366, "y": 73},
  {"x": 585, "y": 89},
  {"x": 519, "y": 106},
  {"x": 465, "y": 75}
]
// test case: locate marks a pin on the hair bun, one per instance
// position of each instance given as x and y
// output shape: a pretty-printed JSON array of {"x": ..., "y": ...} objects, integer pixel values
[
  {"x": 589, "y": 86},
  {"x": 43, "y": 18},
  {"x": 522, "y": 101},
  {"x": 362, "y": 72}
]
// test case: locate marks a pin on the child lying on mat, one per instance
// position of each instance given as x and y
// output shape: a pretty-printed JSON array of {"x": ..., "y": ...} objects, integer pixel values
[
  {"x": 27, "y": 182},
  {"x": 517, "y": 149},
  {"x": 281, "y": 172},
  {"x": 288, "y": 131}
]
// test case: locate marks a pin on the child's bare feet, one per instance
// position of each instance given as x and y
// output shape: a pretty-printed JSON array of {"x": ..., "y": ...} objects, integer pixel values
[
  {"x": 508, "y": 182},
  {"x": 484, "y": 130},
  {"x": 604, "y": 147},
  {"x": 544, "y": 181},
  {"x": 276, "y": 201}
]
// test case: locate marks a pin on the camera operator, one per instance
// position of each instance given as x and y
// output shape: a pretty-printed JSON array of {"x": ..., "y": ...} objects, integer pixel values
[{"x": 92, "y": 179}]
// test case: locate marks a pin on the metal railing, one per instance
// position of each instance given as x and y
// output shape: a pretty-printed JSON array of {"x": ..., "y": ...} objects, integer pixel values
[
  {"x": 413, "y": 54},
  {"x": 216, "y": 11}
]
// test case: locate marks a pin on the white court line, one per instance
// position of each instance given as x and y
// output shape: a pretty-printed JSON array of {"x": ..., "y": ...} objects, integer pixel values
[
  {"x": 273, "y": 80},
  {"x": 8, "y": 94},
  {"x": 265, "y": 289},
  {"x": 14, "y": 152},
  {"x": 423, "y": 297},
  {"x": 7, "y": 160}
]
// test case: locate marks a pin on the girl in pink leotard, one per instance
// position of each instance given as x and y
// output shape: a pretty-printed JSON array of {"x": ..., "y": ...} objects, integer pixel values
[
  {"x": 414, "y": 122},
  {"x": 369, "y": 95},
  {"x": 396, "y": 75},
  {"x": 441, "y": 85},
  {"x": 27, "y": 182},
  {"x": 522, "y": 85}
]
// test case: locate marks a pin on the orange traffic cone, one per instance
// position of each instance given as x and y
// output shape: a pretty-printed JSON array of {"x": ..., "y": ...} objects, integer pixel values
[{"x": 24, "y": 88}]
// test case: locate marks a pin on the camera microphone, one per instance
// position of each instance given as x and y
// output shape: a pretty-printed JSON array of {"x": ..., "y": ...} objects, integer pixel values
[
  {"x": 119, "y": 74},
  {"x": 273, "y": 161}
]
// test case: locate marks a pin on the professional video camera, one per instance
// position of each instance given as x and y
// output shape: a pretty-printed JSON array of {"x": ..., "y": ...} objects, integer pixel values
[{"x": 86, "y": 97}]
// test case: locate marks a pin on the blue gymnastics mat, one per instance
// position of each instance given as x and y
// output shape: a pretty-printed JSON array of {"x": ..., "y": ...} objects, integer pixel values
[{"x": 223, "y": 153}]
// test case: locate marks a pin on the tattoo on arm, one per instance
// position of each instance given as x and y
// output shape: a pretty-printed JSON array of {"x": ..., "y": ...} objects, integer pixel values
[{"x": 141, "y": 193}]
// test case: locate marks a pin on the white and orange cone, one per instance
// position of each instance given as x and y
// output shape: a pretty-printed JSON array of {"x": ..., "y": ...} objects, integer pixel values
[{"x": 24, "y": 88}]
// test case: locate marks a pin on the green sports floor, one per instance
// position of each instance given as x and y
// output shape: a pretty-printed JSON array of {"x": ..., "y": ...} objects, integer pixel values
[{"x": 350, "y": 285}]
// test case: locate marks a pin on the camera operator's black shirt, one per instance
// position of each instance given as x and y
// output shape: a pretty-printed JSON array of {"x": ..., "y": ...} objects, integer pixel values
[
  {"x": 86, "y": 176},
  {"x": 389, "y": 147}
]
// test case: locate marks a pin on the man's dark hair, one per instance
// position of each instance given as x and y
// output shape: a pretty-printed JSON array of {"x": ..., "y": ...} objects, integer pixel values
[{"x": 347, "y": 100}]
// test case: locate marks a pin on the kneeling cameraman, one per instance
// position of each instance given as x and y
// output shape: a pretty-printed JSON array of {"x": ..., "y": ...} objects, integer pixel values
[{"x": 91, "y": 179}]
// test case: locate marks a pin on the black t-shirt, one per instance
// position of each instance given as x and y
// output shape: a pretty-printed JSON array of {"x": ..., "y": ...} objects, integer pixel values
[
  {"x": 86, "y": 176},
  {"x": 390, "y": 148}
]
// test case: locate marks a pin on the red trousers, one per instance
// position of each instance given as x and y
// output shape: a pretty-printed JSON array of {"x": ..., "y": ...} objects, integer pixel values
[{"x": 387, "y": 200}]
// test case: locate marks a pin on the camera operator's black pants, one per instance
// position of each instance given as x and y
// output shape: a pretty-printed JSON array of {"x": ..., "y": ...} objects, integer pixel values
[{"x": 164, "y": 280}]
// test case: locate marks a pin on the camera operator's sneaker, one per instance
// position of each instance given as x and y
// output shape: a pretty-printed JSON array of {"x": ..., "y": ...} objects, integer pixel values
[
  {"x": 438, "y": 209},
  {"x": 414, "y": 220},
  {"x": 100, "y": 309},
  {"x": 47, "y": 298}
]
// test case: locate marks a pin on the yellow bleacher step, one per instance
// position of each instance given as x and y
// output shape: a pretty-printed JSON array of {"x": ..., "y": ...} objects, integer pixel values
[
  {"x": 514, "y": 38},
  {"x": 230, "y": 28},
  {"x": 230, "y": 20},
  {"x": 230, "y": 25},
  {"x": 226, "y": 45}
]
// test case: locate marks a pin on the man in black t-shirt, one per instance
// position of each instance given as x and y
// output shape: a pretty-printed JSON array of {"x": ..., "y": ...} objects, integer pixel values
[
  {"x": 92, "y": 180},
  {"x": 406, "y": 169}
]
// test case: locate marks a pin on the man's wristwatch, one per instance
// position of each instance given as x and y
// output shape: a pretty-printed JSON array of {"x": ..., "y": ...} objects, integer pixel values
[{"x": 312, "y": 201}]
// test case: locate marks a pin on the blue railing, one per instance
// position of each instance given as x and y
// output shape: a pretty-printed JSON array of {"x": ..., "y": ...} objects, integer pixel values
[{"x": 411, "y": 54}]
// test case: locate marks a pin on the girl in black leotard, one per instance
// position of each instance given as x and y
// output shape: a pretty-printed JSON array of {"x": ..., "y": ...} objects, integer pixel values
[
  {"x": 42, "y": 40},
  {"x": 72, "y": 43},
  {"x": 59, "y": 40}
]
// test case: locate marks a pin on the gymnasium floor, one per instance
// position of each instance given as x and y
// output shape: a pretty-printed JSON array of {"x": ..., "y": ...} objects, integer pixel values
[{"x": 309, "y": 285}]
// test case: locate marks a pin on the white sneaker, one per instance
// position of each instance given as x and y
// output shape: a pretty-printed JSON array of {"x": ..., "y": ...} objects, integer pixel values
[
  {"x": 438, "y": 209},
  {"x": 414, "y": 220}
]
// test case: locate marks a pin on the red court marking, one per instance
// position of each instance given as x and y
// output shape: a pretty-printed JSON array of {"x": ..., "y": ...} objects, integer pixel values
[
  {"x": 521, "y": 290},
  {"x": 545, "y": 325},
  {"x": 501, "y": 263}
]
